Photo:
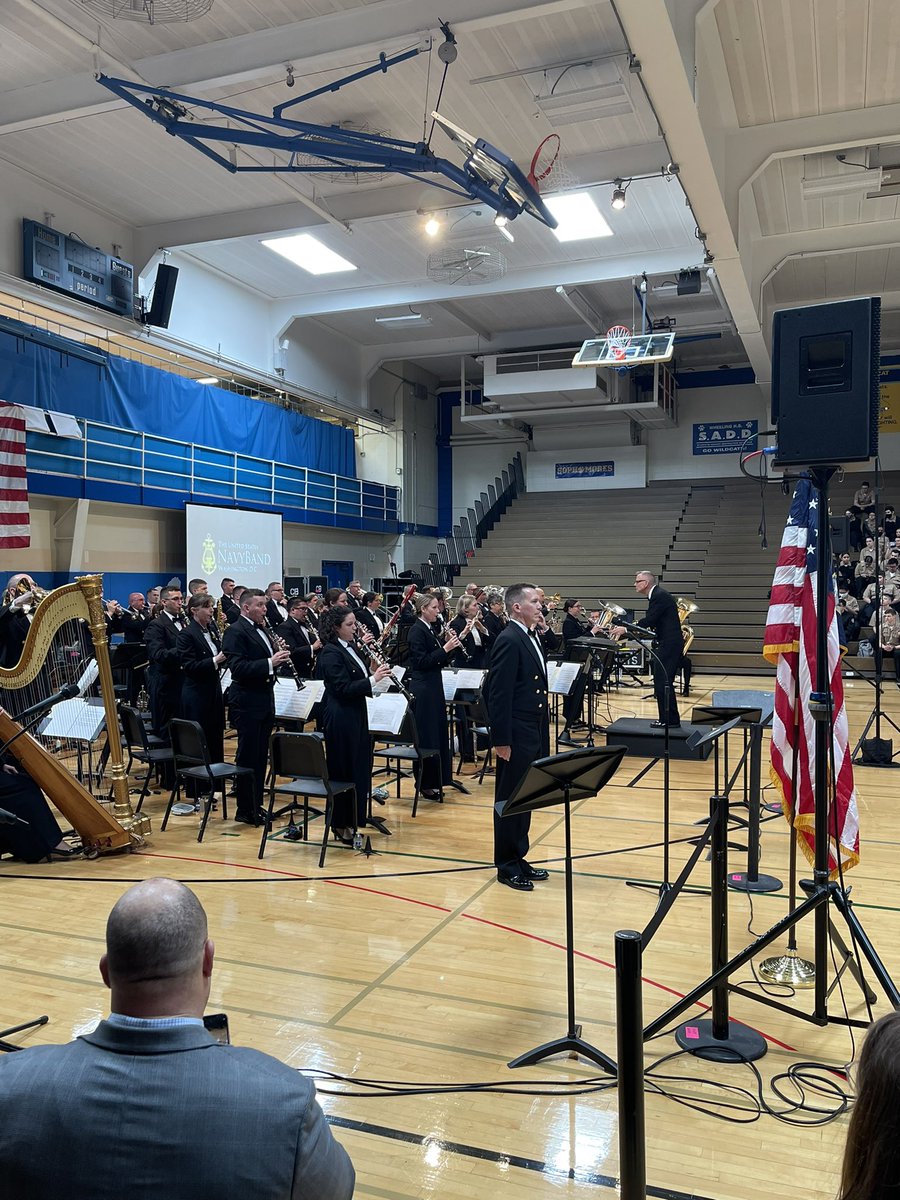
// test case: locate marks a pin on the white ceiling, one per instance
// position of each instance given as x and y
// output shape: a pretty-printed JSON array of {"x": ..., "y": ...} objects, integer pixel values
[{"x": 751, "y": 97}]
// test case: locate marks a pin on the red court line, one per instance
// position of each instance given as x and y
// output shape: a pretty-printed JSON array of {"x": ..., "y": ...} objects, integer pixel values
[{"x": 466, "y": 916}]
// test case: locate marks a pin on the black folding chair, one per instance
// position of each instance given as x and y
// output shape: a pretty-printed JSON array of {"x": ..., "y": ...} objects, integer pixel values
[
  {"x": 191, "y": 756},
  {"x": 142, "y": 746},
  {"x": 301, "y": 757},
  {"x": 406, "y": 750}
]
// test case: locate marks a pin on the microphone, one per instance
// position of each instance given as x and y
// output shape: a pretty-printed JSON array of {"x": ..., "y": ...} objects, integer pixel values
[{"x": 69, "y": 692}]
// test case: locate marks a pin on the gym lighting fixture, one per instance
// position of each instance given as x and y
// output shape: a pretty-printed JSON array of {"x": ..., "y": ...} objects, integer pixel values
[
  {"x": 308, "y": 253},
  {"x": 618, "y": 197},
  {"x": 577, "y": 217},
  {"x": 432, "y": 227},
  {"x": 408, "y": 318}
]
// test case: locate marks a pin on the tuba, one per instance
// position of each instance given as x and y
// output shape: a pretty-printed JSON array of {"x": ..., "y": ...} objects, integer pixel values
[
  {"x": 609, "y": 613},
  {"x": 686, "y": 608},
  {"x": 54, "y": 654}
]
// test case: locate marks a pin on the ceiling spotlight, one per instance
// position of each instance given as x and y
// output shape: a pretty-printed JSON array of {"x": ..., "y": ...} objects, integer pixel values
[
  {"x": 618, "y": 196},
  {"x": 500, "y": 221},
  {"x": 432, "y": 226},
  {"x": 289, "y": 77}
]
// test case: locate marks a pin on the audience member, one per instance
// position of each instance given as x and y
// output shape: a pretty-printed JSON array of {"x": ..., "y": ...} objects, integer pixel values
[
  {"x": 863, "y": 499},
  {"x": 149, "y": 1104},
  {"x": 871, "y": 1169}
]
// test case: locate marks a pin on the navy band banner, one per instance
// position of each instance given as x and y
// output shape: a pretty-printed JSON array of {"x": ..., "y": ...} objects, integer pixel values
[{"x": 723, "y": 437}]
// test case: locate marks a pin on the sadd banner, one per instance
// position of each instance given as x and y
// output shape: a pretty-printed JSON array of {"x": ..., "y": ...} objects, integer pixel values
[{"x": 723, "y": 437}]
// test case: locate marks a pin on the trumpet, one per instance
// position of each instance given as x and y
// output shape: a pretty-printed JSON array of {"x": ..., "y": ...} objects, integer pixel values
[{"x": 370, "y": 651}]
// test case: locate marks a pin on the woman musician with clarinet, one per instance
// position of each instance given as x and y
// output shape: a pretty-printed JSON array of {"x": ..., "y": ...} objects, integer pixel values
[
  {"x": 426, "y": 657},
  {"x": 348, "y": 747},
  {"x": 202, "y": 662},
  {"x": 473, "y": 653}
]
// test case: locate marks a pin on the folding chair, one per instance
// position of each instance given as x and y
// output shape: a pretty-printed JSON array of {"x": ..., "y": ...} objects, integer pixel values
[
  {"x": 301, "y": 757},
  {"x": 191, "y": 757}
]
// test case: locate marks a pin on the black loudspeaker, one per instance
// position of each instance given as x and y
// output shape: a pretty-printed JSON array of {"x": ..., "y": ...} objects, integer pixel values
[
  {"x": 317, "y": 583},
  {"x": 840, "y": 534},
  {"x": 825, "y": 382},
  {"x": 295, "y": 585},
  {"x": 163, "y": 294}
]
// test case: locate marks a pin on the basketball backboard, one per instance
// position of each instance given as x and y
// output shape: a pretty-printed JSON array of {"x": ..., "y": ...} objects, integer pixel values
[
  {"x": 641, "y": 348},
  {"x": 494, "y": 167}
]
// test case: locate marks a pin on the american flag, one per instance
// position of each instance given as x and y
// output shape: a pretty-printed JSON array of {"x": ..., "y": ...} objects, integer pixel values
[
  {"x": 14, "y": 522},
  {"x": 790, "y": 643}
]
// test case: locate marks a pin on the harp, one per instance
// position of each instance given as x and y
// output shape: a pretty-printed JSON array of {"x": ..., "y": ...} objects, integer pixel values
[{"x": 68, "y": 630}]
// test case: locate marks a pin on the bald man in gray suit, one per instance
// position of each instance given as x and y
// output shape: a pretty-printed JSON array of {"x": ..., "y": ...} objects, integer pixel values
[{"x": 149, "y": 1104}]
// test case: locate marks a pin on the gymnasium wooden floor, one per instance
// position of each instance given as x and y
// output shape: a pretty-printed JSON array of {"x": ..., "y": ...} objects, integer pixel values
[{"x": 415, "y": 966}]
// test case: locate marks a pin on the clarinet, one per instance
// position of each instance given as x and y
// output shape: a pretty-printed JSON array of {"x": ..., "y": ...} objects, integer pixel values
[
  {"x": 280, "y": 644},
  {"x": 374, "y": 655}
]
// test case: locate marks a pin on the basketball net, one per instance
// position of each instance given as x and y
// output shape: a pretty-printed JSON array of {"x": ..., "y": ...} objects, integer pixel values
[
  {"x": 548, "y": 171},
  {"x": 618, "y": 338}
]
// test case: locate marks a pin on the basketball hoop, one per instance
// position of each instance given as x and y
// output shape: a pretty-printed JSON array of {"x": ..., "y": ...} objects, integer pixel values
[
  {"x": 618, "y": 339},
  {"x": 548, "y": 171}
]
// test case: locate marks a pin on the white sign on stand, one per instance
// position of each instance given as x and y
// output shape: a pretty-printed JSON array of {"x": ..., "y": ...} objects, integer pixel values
[
  {"x": 290, "y": 701},
  {"x": 464, "y": 680},
  {"x": 561, "y": 676},
  {"x": 386, "y": 713}
]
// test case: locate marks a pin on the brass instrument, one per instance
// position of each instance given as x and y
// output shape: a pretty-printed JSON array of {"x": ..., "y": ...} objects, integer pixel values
[
  {"x": 686, "y": 608},
  {"x": 100, "y": 831},
  {"x": 23, "y": 588},
  {"x": 608, "y": 614}
]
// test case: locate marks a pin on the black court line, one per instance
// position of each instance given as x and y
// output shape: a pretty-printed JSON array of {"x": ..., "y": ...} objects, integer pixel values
[{"x": 496, "y": 1156}]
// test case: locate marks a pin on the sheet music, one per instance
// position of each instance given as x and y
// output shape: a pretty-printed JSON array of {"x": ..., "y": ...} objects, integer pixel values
[
  {"x": 225, "y": 679},
  {"x": 378, "y": 689},
  {"x": 386, "y": 713},
  {"x": 561, "y": 676},
  {"x": 74, "y": 719},
  {"x": 91, "y": 672},
  {"x": 464, "y": 680},
  {"x": 290, "y": 702}
]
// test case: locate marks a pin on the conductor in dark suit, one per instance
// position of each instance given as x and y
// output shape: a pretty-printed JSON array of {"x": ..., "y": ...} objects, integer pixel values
[
  {"x": 520, "y": 727},
  {"x": 253, "y": 661},
  {"x": 201, "y": 658},
  {"x": 149, "y": 1104},
  {"x": 164, "y": 671},
  {"x": 662, "y": 619}
]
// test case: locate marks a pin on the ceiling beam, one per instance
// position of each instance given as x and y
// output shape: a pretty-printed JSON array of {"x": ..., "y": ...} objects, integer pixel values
[
  {"x": 458, "y": 312},
  {"x": 251, "y": 56}
]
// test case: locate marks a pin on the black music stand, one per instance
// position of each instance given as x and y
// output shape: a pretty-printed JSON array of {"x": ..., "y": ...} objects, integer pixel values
[
  {"x": 592, "y": 653},
  {"x": 562, "y": 779}
]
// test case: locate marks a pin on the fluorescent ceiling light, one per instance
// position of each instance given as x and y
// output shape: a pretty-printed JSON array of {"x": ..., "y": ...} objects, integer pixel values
[
  {"x": 209, "y": 379},
  {"x": 308, "y": 253},
  {"x": 410, "y": 318},
  {"x": 578, "y": 217},
  {"x": 845, "y": 184},
  {"x": 586, "y": 104}
]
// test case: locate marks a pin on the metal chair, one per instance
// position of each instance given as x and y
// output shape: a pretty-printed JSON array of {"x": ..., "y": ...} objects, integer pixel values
[
  {"x": 407, "y": 750},
  {"x": 191, "y": 757},
  {"x": 301, "y": 758},
  {"x": 142, "y": 746}
]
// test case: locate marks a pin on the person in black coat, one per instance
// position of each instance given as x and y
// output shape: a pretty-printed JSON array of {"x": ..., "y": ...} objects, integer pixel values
[
  {"x": 520, "y": 728},
  {"x": 370, "y": 615},
  {"x": 494, "y": 618},
  {"x": 276, "y": 605},
  {"x": 202, "y": 657},
  {"x": 662, "y": 619},
  {"x": 299, "y": 636},
  {"x": 253, "y": 661},
  {"x": 425, "y": 658},
  {"x": 473, "y": 654},
  {"x": 15, "y": 617},
  {"x": 348, "y": 747},
  {"x": 164, "y": 671}
]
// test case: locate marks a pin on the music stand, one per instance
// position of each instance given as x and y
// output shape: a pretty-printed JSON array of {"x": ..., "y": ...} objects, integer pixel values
[{"x": 562, "y": 779}]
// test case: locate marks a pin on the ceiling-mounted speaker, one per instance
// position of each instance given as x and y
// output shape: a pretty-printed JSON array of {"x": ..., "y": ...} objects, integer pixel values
[
  {"x": 689, "y": 283},
  {"x": 163, "y": 294}
]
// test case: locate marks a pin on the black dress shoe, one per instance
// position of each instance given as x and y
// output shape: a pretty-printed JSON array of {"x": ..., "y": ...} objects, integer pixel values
[
  {"x": 58, "y": 854},
  {"x": 515, "y": 880},
  {"x": 531, "y": 872},
  {"x": 257, "y": 818},
  {"x": 430, "y": 793},
  {"x": 565, "y": 739}
]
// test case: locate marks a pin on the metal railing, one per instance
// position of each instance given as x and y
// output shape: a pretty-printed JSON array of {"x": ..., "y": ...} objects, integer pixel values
[
  {"x": 111, "y": 454},
  {"x": 454, "y": 551}
]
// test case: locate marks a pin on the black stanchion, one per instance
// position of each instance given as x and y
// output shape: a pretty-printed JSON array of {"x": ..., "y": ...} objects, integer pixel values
[
  {"x": 720, "y": 1039},
  {"x": 630, "y": 1041},
  {"x": 751, "y": 880}
]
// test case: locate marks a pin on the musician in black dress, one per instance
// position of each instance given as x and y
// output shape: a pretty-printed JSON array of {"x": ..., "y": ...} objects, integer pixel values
[
  {"x": 662, "y": 619},
  {"x": 348, "y": 747},
  {"x": 425, "y": 659},
  {"x": 473, "y": 654},
  {"x": 202, "y": 659},
  {"x": 41, "y": 838}
]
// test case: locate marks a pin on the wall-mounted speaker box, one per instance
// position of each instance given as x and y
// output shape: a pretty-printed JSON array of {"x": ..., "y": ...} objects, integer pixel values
[
  {"x": 825, "y": 382},
  {"x": 163, "y": 294}
]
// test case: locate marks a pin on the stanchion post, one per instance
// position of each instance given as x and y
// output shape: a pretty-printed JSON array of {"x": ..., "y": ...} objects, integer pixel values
[
  {"x": 751, "y": 880},
  {"x": 630, "y": 1038}
]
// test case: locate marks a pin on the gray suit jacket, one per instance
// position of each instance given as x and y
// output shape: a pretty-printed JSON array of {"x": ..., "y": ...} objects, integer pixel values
[{"x": 168, "y": 1114}]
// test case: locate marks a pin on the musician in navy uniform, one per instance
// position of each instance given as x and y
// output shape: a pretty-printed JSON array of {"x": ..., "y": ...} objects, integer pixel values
[
  {"x": 201, "y": 660},
  {"x": 300, "y": 637},
  {"x": 253, "y": 661},
  {"x": 520, "y": 727},
  {"x": 662, "y": 619},
  {"x": 426, "y": 658},
  {"x": 164, "y": 672}
]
